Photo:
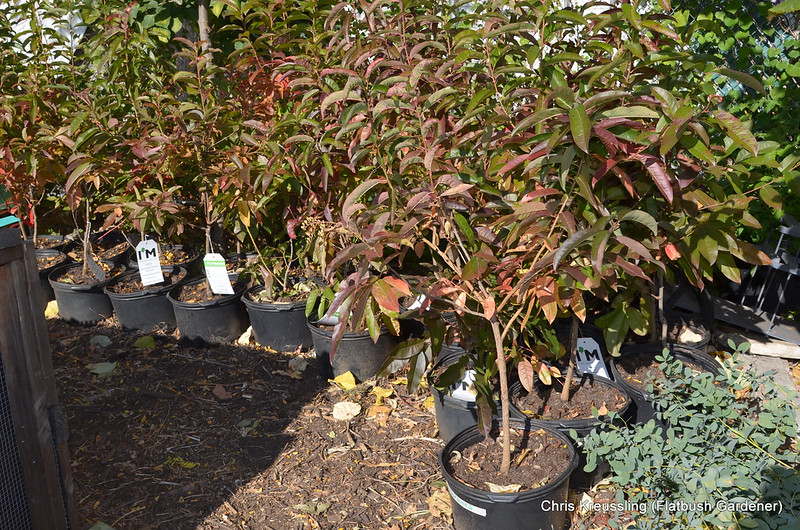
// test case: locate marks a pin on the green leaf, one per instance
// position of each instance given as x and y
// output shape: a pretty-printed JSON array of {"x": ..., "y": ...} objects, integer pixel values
[
  {"x": 634, "y": 111},
  {"x": 737, "y": 131},
  {"x": 580, "y": 127},
  {"x": 475, "y": 268},
  {"x": 771, "y": 197},
  {"x": 145, "y": 342},
  {"x": 572, "y": 241},
  {"x": 745, "y": 79},
  {"x": 408, "y": 349},
  {"x": 787, "y": 6},
  {"x": 373, "y": 326},
  {"x": 464, "y": 227}
]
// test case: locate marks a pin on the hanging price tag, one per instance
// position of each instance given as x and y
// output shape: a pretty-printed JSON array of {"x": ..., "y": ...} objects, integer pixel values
[
  {"x": 217, "y": 274},
  {"x": 149, "y": 262},
  {"x": 590, "y": 358}
]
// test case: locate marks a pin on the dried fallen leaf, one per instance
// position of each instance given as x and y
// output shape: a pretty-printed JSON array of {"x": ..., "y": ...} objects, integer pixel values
[
  {"x": 497, "y": 488},
  {"x": 380, "y": 413},
  {"x": 346, "y": 410},
  {"x": 221, "y": 393},
  {"x": 102, "y": 370},
  {"x": 428, "y": 403},
  {"x": 244, "y": 338},
  {"x": 381, "y": 393},
  {"x": 439, "y": 503},
  {"x": 51, "y": 311},
  {"x": 346, "y": 381},
  {"x": 101, "y": 341},
  {"x": 603, "y": 410},
  {"x": 297, "y": 364}
]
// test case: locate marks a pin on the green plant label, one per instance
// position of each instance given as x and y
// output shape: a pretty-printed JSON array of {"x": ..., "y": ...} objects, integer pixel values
[
  {"x": 589, "y": 358},
  {"x": 217, "y": 274},
  {"x": 149, "y": 262}
]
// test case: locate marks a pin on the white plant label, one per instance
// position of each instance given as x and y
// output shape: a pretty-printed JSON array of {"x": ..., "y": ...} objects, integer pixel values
[
  {"x": 149, "y": 262},
  {"x": 334, "y": 318},
  {"x": 590, "y": 358},
  {"x": 217, "y": 274},
  {"x": 464, "y": 389}
]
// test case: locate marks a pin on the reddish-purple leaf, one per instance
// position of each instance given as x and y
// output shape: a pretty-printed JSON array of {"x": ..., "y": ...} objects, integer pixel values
[{"x": 658, "y": 174}]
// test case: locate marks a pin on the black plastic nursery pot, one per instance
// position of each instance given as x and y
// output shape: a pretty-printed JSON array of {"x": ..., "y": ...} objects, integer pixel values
[
  {"x": 57, "y": 258},
  {"x": 642, "y": 404},
  {"x": 453, "y": 415},
  {"x": 220, "y": 320},
  {"x": 281, "y": 326},
  {"x": 477, "y": 509},
  {"x": 80, "y": 304},
  {"x": 582, "y": 427},
  {"x": 356, "y": 353},
  {"x": 148, "y": 308}
]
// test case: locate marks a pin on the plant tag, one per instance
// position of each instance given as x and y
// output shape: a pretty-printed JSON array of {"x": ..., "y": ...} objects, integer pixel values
[
  {"x": 464, "y": 388},
  {"x": 149, "y": 262},
  {"x": 217, "y": 274},
  {"x": 590, "y": 358},
  {"x": 333, "y": 319}
]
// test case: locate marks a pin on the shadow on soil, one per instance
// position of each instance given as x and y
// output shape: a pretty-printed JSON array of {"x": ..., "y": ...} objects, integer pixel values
[{"x": 170, "y": 434}]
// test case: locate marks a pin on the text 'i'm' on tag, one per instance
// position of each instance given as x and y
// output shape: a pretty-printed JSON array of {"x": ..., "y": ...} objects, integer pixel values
[{"x": 149, "y": 262}]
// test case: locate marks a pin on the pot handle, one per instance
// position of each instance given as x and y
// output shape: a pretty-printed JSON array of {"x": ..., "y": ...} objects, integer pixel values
[{"x": 502, "y": 499}]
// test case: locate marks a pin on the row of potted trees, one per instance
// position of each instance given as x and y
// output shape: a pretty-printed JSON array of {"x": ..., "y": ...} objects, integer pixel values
[{"x": 458, "y": 175}]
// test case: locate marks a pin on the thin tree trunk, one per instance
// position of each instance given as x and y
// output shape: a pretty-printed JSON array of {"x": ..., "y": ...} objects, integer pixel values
[
  {"x": 573, "y": 347},
  {"x": 202, "y": 25},
  {"x": 504, "y": 401}
]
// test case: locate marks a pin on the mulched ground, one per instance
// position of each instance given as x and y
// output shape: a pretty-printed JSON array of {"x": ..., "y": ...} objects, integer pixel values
[{"x": 231, "y": 437}]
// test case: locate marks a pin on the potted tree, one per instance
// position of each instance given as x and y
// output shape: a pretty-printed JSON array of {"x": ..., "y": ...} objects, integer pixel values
[{"x": 571, "y": 174}]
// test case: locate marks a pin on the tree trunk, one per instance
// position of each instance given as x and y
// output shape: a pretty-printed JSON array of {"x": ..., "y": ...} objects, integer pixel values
[
  {"x": 573, "y": 347},
  {"x": 504, "y": 400},
  {"x": 202, "y": 25}
]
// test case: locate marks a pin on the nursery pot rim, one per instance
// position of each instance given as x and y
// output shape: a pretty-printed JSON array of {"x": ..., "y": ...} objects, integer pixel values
[
  {"x": 315, "y": 329},
  {"x": 575, "y": 423},
  {"x": 79, "y": 287},
  {"x": 677, "y": 350},
  {"x": 238, "y": 289},
  {"x": 506, "y": 498},
  {"x": 269, "y": 306},
  {"x": 148, "y": 290}
]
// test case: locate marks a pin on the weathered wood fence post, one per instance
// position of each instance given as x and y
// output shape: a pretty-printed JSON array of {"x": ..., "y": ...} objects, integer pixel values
[{"x": 35, "y": 474}]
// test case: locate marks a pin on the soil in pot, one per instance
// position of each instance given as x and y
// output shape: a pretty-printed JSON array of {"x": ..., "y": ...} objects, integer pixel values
[
  {"x": 585, "y": 394},
  {"x": 637, "y": 370},
  {"x": 198, "y": 293},
  {"x": 132, "y": 283},
  {"x": 537, "y": 457},
  {"x": 531, "y": 493},
  {"x": 174, "y": 256},
  {"x": 51, "y": 242},
  {"x": 544, "y": 407},
  {"x": 75, "y": 276}
]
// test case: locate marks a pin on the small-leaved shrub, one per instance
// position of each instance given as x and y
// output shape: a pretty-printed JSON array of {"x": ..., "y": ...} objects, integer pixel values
[{"x": 730, "y": 439}]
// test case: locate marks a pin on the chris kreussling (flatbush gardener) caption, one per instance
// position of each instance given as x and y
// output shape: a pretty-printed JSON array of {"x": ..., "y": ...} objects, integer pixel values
[{"x": 662, "y": 505}]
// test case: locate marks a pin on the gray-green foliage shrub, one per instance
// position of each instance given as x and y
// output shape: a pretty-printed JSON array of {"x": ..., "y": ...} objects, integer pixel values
[{"x": 732, "y": 438}]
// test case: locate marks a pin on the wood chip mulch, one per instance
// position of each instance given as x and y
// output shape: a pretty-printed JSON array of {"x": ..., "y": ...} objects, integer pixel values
[{"x": 231, "y": 437}]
